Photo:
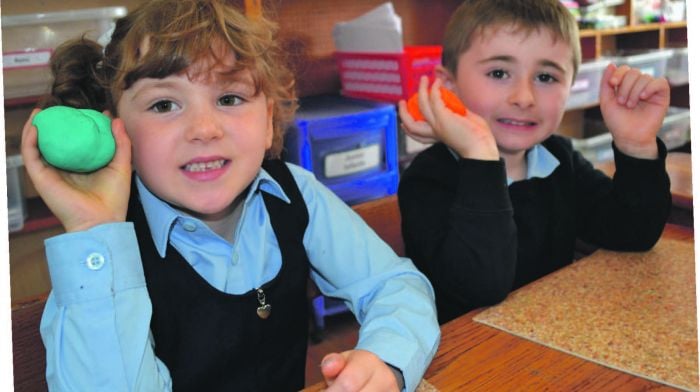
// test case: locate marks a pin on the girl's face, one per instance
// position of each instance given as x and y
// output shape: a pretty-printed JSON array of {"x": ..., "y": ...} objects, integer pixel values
[
  {"x": 518, "y": 82},
  {"x": 198, "y": 143}
]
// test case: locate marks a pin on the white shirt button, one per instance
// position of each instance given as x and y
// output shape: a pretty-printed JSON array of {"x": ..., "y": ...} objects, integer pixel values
[
  {"x": 95, "y": 261},
  {"x": 234, "y": 258},
  {"x": 189, "y": 226}
]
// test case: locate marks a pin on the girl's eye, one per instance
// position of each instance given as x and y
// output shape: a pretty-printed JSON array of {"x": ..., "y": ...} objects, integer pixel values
[
  {"x": 230, "y": 100},
  {"x": 498, "y": 74},
  {"x": 546, "y": 78},
  {"x": 163, "y": 106}
]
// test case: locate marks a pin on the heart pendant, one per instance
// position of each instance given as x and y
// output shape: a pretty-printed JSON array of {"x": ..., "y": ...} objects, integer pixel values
[{"x": 264, "y": 311}]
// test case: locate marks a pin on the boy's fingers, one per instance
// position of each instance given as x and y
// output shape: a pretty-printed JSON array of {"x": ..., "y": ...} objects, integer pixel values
[
  {"x": 627, "y": 83},
  {"x": 424, "y": 100},
  {"x": 637, "y": 90},
  {"x": 607, "y": 87}
]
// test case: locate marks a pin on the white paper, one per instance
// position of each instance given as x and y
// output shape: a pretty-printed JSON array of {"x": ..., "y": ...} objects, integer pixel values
[{"x": 379, "y": 30}]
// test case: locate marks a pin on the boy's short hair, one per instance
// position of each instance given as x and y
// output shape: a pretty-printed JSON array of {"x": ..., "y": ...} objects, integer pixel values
[{"x": 474, "y": 16}]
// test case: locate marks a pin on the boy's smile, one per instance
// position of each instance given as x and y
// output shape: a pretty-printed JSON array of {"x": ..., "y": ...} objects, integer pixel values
[
  {"x": 518, "y": 81},
  {"x": 199, "y": 140}
]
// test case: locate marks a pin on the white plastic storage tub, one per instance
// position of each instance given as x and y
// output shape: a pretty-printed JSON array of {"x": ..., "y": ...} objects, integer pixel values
[
  {"x": 28, "y": 40},
  {"x": 586, "y": 88},
  {"x": 677, "y": 67},
  {"x": 16, "y": 206},
  {"x": 674, "y": 132},
  {"x": 652, "y": 62}
]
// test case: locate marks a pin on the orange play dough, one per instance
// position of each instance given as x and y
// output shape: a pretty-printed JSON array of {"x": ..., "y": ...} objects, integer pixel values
[{"x": 448, "y": 97}]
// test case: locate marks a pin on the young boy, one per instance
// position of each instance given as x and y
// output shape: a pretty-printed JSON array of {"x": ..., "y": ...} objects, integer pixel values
[
  {"x": 499, "y": 200},
  {"x": 191, "y": 274}
]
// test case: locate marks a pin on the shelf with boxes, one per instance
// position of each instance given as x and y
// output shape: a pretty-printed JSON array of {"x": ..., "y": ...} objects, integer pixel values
[
  {"x": 349, "y": 144},
  {"x": 28, "y": 40}
]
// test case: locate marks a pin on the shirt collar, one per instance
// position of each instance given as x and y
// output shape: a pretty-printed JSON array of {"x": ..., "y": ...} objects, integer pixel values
[
  {"x": 161, "y": 217},
  {"x": 540, "y": 162}
]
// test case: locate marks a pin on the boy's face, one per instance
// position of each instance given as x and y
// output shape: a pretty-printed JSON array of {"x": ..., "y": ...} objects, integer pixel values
[
  {"x": 197, "y": 144},
  {"x": 518, "y": 82}
]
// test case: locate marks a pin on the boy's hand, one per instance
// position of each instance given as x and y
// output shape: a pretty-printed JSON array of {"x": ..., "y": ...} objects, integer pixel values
[
  {"x": 633, "y": 106},
  {"x": 357, "y": 370},
  {"x": 81, "y": 201},
  {"x": 469, "y": 136}
]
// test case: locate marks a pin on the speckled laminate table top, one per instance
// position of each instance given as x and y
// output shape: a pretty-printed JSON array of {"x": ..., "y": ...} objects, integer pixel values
[{"x": 635, "y": 312}]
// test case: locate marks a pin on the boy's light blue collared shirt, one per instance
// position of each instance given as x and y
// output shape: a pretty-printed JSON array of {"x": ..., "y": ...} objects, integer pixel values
[
  {"x": 96, "y": 322},
  {"x": 540, "y": 162}
]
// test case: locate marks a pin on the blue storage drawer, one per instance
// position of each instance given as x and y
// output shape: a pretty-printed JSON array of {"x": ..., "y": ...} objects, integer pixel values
[{"x": 349, "y": 144}]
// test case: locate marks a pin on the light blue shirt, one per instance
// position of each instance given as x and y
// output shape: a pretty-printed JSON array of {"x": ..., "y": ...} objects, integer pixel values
[
  {"x": 540, "y": 162},
  {"x": 96, "y": 322}
]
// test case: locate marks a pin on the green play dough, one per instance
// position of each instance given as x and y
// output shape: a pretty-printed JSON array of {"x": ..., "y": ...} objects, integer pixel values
[{"x": 77, "y": 140}]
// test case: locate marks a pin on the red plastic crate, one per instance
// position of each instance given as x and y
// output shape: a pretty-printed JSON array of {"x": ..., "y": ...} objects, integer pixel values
[{"x": 386, "y": 76}]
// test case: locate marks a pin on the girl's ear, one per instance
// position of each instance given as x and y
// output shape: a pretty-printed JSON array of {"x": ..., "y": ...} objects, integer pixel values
[
  {"x": 270, "y": 123},
  {"x": 446, "y": 77}
]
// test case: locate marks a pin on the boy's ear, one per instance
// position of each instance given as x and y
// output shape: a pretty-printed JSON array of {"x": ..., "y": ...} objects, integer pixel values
[{"x": 446, "y": 77}]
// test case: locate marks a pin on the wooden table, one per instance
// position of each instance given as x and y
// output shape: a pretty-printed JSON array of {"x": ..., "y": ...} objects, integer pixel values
[{"x": 475, "y": 357}]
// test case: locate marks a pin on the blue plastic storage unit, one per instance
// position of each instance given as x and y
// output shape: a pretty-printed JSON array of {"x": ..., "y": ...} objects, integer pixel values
[{"x": 349, "y": 144}]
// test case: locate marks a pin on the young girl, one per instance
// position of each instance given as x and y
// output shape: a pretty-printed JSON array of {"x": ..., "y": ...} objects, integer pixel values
[{"x": 192, "y": 274}]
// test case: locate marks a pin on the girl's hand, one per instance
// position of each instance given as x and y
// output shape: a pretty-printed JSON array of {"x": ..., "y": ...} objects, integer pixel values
[
  {"x": 633, "y": 106},
  {"x": 357, "y": 370},
  {"x": 469, "y": 136},
  {"x": 81, "y": 200}
]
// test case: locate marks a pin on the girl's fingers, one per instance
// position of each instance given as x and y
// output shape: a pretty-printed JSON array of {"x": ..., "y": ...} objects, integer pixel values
[
  {"x": 122, "y": 156},
  {"x": 31, "y": 156}
]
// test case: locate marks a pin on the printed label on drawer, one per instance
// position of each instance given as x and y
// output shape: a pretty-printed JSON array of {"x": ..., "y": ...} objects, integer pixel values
[
  {"x": 18, "y": 60},
  {"x": 580, "y": 85},
  {"x": 353, "y": 161}
]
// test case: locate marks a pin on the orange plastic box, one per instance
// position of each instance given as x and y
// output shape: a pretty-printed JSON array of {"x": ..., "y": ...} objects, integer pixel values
[{"x": 386, "y": 76}]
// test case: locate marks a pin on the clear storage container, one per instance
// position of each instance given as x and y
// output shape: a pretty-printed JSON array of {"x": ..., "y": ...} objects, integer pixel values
[
  {"x": 652, "y": 62},
  {"x": 677, "y": 67},
  {"x": 28, "y": 40},
  {"x": 597, "y": 145},
  {"x": 585, "y": 90},
  {"x": 16, "y": 206}
]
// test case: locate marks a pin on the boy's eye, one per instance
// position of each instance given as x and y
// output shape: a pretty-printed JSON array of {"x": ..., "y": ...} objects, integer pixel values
[
  {"x": 230, "y": 100},
  {"x": 498, "y": 74},
  {"x": 546, "y": 78},
  {"x": 163, "y": 106}
]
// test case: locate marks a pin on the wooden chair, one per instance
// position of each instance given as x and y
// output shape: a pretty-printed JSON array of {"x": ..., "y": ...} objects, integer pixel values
[
  {"x": 384, "y": 217},
  {"x": 29, "y": 356}
]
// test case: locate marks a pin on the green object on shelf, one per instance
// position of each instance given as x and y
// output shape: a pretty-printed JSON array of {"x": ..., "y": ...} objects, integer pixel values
[{"x": 76, "y": 140}]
